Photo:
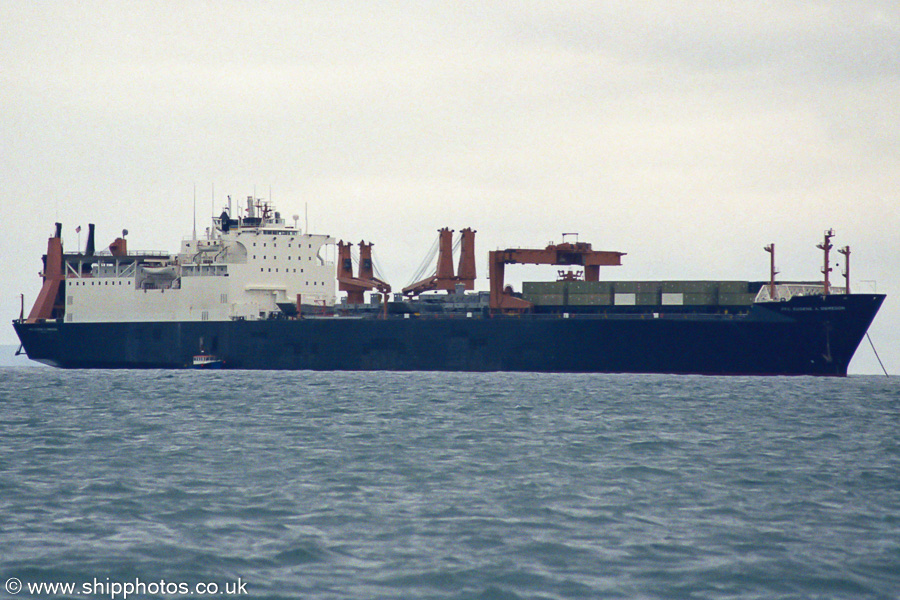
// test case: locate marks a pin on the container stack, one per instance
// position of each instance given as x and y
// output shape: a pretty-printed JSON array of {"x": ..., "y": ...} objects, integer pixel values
[{"x": 638, "y": 293}]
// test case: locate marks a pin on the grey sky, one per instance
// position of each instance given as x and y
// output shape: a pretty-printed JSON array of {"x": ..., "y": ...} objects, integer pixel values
[{"x": 687, "y": 134}]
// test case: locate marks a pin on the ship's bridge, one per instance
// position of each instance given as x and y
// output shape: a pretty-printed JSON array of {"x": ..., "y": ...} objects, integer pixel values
[{"x": 260, "y": 215}]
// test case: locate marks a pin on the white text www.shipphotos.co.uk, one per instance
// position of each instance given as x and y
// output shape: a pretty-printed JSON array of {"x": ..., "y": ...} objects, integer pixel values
[{"x": 122, "y": 590}]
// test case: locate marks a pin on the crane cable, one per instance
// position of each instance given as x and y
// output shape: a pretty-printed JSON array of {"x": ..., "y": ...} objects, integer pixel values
[
  {"x": 376, "y": 268},
  {"x": 876, "y": 353},
  {"x": 429, "y": 258}
]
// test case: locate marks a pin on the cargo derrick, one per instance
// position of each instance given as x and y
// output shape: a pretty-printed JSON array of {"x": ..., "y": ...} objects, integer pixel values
[
  {"x": 465, "y": 273},
  {"x": 356, "y": 286},
  {"x": 443, "y": 278},
  {"x": 49, "y": 303},
  {"x": 579, "y": 253}
]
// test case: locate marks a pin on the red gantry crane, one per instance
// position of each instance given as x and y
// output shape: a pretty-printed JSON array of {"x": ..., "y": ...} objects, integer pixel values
[{"x": 578, "y": 253}]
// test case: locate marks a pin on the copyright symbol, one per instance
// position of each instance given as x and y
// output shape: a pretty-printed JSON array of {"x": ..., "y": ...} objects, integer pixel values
[{"x": 13, "y": 585}]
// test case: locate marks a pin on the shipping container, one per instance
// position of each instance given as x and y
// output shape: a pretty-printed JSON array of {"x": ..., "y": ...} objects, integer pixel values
[
  {"x": 544, "y": 299},
  {"x": 705, "y": 293},
  {"x": 624, "y": 299},
  {"x": 700, "y": 299},
  {"x": 672, "y": 299},
  {"x": 635, "y": 287},
  {"x": 647, "y": 299},
  {"x": 734, "y": 287},
  {"x": 588, "y": 287},
  {"x": 589, "y": 299},
  {"x": 689, "y": 287},
  {"x": 736, "y": 299}
]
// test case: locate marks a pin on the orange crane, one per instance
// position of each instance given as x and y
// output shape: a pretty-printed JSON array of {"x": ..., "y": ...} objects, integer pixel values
[
  {"x": 444, "y": 279},
  {"x": 465, "y": 273},
  {"x": 49, "y": 303},
  {"x": 579, "y": 253},
  {"x": 356, "y": 286}
]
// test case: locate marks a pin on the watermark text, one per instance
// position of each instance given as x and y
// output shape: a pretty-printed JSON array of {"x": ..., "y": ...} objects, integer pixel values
[{"x": 123, "y": 590}]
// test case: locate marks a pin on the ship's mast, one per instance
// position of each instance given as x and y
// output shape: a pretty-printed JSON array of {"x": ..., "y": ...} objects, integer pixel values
[
  {"x": 826, "y": 247},
  {"x": 772, "y": 272},
  {"x": 846, "y": 252}
]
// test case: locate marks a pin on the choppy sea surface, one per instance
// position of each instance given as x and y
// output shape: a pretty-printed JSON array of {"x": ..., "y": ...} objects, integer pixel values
[{"x": 442, "y": 485}]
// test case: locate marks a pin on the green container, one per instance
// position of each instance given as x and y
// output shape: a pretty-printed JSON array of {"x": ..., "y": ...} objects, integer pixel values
[
  {"x": 648, "y": 287},
  {"x": 624, "y": 287},
  {"x": 588, "y": 287},
  {"x": 542, "y": 287},
  {"x": 647, "y": 299},
  {"x": 583, "y": 293},
  {"x": 589, "y": 299},
  {"x": 733, "y": 287},
  {"x": 573, "y": 288},
  {"x": 689, "y": 287},
  {"x": 545, "y": 299},
  {"x": 736, "y": 299},
  {"x": 700, "y": 299}
]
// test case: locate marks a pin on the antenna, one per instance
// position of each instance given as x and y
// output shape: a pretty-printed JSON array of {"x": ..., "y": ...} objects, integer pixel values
[
  {"x": 306, "y": 217},
  {"x": 212, "y": 200},
  {"x": 195, "y": 212}
]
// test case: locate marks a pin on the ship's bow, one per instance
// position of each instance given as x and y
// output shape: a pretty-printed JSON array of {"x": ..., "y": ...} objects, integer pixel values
[{"x": 829, "y": 328}]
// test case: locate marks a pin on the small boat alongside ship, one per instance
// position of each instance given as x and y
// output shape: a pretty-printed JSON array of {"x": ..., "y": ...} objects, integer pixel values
[
  {"x": 207, "y": 361},
  {"x": 259, "y": 293}
]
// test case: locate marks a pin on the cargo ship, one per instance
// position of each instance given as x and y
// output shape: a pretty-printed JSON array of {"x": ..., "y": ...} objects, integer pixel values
[{"x": 258, "y": 292}]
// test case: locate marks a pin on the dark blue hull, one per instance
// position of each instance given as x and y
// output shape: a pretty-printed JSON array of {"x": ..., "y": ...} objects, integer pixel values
[{"x": 812, "y": 335}]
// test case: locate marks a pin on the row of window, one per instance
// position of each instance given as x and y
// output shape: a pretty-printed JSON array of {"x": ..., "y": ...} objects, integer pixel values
[
  {"x": 263, "y": 270},
  {"x": 120, "y": 282},
  {"x": 275, "y": 245},
  {"x": 93, "y": 282},
  {"x": 309, "y": 258}
]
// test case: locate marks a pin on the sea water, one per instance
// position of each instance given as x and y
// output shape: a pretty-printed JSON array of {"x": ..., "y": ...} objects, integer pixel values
[{"x": 139, "y": 484}]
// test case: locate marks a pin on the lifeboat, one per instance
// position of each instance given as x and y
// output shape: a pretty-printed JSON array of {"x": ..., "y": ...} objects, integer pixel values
[{"x": 163, "y": 272}]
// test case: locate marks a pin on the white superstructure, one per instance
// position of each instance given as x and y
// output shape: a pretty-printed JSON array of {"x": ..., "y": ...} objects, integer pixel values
[{"x": 243, "y": 269}]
